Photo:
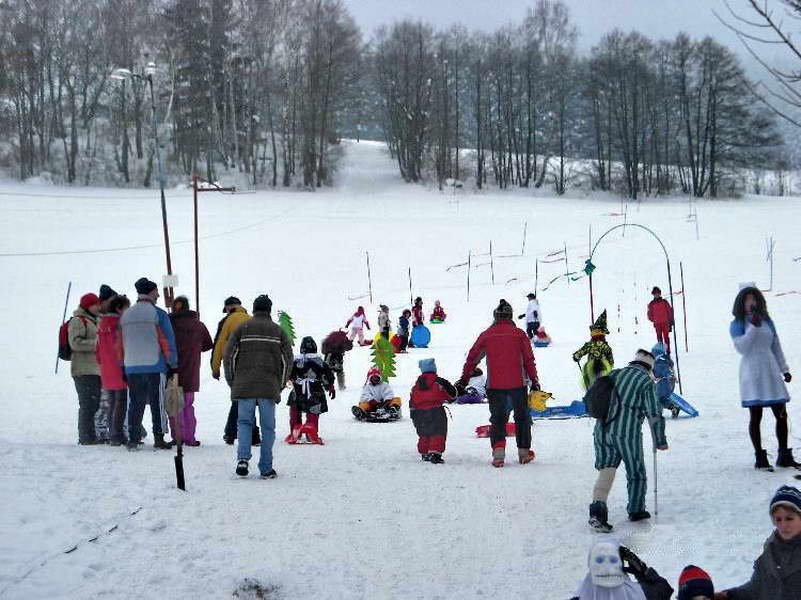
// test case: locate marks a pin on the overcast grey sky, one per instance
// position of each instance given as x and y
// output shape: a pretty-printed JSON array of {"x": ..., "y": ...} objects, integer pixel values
[{"x": 655, "y": 18}]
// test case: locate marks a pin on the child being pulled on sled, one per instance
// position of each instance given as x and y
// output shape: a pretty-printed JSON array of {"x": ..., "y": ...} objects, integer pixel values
[
  {"x": 475, "y": 392},
  {"x": 377, "y": 395},
  {"x": 664, "y": 378},
  {"x": 311, "y": 378},
  {"x": 426, "y": 404}
]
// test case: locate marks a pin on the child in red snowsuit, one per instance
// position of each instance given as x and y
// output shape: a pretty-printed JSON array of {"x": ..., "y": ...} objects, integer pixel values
[
  {"x": 438, "y": 314},
  {"x": 660, "y": 313},
  {"x": 428, "y": 413}
]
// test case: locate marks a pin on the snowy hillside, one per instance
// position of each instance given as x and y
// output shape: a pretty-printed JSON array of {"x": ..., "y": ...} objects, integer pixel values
[{"x": 362, "y": 517}]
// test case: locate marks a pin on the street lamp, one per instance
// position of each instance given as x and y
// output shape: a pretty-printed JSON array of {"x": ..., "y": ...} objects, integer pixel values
[{"x": 122, "y": 74}]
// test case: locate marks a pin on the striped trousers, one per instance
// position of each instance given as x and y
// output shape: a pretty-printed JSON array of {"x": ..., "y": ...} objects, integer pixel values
[{"x": 611, "y": 450}]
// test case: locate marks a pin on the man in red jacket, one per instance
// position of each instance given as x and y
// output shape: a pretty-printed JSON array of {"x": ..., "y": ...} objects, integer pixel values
[
  {"x": 660, "y": 313},
  {"x": 507, "y": 350}
]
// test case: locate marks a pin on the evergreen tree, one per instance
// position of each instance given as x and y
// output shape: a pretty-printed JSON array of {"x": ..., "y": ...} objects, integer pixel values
[
  {"x": 383, "y": 357},
  {"x": 285, "y": 321}
]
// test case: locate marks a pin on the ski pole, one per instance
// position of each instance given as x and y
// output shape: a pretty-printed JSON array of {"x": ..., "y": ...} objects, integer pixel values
[
  {"x": 64, "y": 315},
  {"x": 656, "y": 487}
]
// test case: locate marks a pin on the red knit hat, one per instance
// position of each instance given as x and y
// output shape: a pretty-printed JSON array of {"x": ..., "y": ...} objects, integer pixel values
[
  {"x": 372, "y": 372},
  {"x": 88, "y": 300},
  {"x": 693, "y": 582}
]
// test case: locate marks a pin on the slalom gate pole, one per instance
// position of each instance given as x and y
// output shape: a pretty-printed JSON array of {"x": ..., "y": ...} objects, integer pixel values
[
  {"x": 469, "y": 262},
  {"x": 369, "y": 278},
  {"x": 684, "y": 305},
  {"x": 492, "y": 264},
  {"x": 411, "y": 296},
  {"x": 64, "y": 316}
]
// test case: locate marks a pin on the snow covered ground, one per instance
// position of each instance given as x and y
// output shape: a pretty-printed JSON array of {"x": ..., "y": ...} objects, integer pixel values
[{"x": 362, "y": 517}]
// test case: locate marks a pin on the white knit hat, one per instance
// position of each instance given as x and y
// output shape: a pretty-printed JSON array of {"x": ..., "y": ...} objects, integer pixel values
[{"x": 645, "y": 357}]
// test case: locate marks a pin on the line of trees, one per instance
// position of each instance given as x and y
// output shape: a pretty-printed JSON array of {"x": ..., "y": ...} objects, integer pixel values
[
  {"x": 252, "y": 85},
  {"x": 649, "y": 117},
  {"x": 264, "y": 87}
]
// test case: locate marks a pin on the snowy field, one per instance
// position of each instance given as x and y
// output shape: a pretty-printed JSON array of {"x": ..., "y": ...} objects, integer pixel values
[{"x": 362, "y": 517}]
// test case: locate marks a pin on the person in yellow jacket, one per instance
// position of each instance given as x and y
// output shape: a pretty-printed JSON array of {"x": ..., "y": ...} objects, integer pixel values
[{"x": 235, "y": 315}]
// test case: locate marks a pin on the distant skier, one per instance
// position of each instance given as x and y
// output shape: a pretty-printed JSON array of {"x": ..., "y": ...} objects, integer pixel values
[
  {"x": 599, "y": 354},
  {"x": 357, "y": 323},
  {"x": 426, "y": 404},
  {"x": 438, "y": 314},
  {"x": 660, "y": 313},
  {"x": 533, "y": 316},
  {"x": 618, "y": 438},
  {"x": 311, "y": 378},
  {"x": 763, "y": 372}
]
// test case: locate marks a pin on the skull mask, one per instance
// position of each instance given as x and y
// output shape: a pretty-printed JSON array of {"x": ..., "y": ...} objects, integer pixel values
[{"x": 606, "y": 568}]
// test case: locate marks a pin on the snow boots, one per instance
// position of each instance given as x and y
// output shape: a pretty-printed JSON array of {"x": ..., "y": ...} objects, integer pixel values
[
  {"x": 434, "y": 458},
  {"x": 762, "y": 461},
  {"x": 599, "y": 517},
  {"x": 786, "y": 459},
  {"x": 525, "y": 455},
  {"x": 242, "y": 468},
  {"x": 498, "y": 457},
  {"x": 640, "y": 515},
  {"x": 159, "y": 443},
  {"x": 296, "y": 436}
]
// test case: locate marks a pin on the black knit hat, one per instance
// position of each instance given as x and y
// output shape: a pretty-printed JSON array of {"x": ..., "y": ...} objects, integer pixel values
[
  {"x": 144, "y": 286},
  {"x": 503, "y": 311},
  {"x": 106, "y": 293},
  {"x": 656, "y": 290},
  {"x": 262, "y": 304},
  {"x": 231, "y": 301},
  {"x": 308, "y": 345}
]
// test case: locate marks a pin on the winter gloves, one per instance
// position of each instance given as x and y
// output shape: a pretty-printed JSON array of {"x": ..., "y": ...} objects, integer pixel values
[
  {"x": 332, "y": 393},
  {"x": 787, "y": 378}
]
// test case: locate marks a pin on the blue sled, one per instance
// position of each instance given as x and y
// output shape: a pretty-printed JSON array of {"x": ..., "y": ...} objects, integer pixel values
[
  {"x": 576, "y": 410},
  {"x": 421, "y": 336},
  {"x": 683, "y": 404}
]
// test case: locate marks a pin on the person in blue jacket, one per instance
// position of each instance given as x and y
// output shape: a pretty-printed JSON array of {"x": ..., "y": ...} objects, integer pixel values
[
  {"x": 664, "y": 378},
  {"x": 150, "y": 356}
]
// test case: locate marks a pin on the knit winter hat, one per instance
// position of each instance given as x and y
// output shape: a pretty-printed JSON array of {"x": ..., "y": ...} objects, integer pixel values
[
  {"x": 308, "y": 345},
  {"x": 693, "y": 582},
  {"x": 144, "y": 286},
  {"x": 531, "y": 296},
  {"x": 374, "y": 372},
  {"x": 231, "y": 301},
  {"x": 656, "y": 290},
  {"x": 262, "y": 304},
  {"x": 106, "y": 293},
  {"x": 643, "y": 356},
  {"x": 503, "y": 311},
  {"x": 88, "y": 300},
  {"x": 787, "y": 496},
  {"x": 659, "y": 349},
  {"x": 427, "y": 365}
]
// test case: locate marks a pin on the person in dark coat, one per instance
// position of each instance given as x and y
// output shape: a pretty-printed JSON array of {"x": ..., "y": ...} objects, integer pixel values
[
  {"x": 311, "y": 378},
  {"x": 777, "y": 571},
  {"x": 191, "y": 338}
]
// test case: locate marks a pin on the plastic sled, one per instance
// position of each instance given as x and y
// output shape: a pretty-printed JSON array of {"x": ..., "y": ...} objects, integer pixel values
[
  {"x": 575, "y": 410},
  {"x": 683, "y": 404},
  {"x": 483, "y": 431},
  {"x": 396, "y": 342},
  {"x": 421, "y": 336},
  {"x": 305, "y": 434},
  {"x": 436, "y": 321},
  {"x": 379, "y": 415},
  {"x": 470, "y": 398},
  {"x": 538, "y": 344}
]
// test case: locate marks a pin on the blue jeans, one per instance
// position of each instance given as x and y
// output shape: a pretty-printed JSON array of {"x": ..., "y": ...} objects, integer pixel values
[{"x": 247, "y": 419}]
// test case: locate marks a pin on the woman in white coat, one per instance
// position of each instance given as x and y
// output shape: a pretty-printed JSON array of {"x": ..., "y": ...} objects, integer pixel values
[{"x": 763, "y": 372}]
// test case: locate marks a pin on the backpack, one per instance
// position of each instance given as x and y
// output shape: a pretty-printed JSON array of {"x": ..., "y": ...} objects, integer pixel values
[
  {"x": 64, "y": 348},
  {"x": 599, "y": 397}
]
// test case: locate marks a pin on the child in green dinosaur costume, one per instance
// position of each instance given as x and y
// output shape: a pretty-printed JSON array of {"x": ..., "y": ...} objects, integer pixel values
[{"x": 599, "y": 354}]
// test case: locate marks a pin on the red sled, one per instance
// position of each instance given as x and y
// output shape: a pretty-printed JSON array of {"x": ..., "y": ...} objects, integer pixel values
[
  {"x": 305, "y": 434},
  {"x": 396, "y": 342},
  {"x": 483, "y": 431}
]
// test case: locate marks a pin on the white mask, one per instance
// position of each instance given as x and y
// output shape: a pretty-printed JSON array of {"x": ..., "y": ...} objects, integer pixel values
[{"x": 606, "y": 568}]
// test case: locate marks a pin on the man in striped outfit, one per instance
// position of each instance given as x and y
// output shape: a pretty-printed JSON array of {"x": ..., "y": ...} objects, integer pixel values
[{"x": 619, "y": 438}]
